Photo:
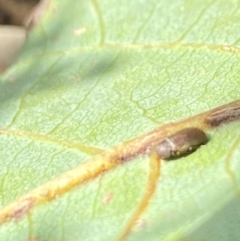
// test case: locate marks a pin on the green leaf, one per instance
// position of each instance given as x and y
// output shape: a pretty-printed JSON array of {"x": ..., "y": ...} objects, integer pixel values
[{"x": 95, "y": 74}]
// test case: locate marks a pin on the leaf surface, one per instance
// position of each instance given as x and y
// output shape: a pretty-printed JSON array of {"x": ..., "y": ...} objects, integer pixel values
[{"x": 95, "y": 74}]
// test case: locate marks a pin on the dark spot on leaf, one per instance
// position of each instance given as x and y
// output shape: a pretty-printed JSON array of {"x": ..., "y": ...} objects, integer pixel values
[
  {"x": 22, "y": 209},
  {"x": 223, "y": 116}
]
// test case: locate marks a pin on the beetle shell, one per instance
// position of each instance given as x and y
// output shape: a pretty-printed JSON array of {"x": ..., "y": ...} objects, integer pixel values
[
  {"x": 181, "y": 143},
  {"x": 223, "y": 116}
]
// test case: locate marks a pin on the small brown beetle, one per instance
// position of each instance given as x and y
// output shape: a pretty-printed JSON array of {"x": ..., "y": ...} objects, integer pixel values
[{"x": 181, "y": 143}]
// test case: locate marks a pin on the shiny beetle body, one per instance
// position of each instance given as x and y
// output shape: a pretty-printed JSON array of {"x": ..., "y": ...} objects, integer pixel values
[{"x": 181, "y": 143}]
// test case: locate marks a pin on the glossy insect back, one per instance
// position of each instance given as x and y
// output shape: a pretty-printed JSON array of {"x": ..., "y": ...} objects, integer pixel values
[
  {"x": 223, "y": 116},
  {"x": 181, "y": 143}
]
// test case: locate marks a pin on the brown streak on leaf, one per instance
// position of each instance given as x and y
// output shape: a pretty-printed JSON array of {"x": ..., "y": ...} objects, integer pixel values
[
  {"x": 19, "y": 211},
  {"x": 223, "y": 116},
  {"x": 102, "y": 163}
]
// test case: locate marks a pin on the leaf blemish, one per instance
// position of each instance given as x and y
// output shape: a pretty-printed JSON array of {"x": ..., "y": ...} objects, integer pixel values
[
  {"x": 106, "y": 161},
  {"x": 223, "y": 116},
  {"x": 107, "y": 198},
  {"x": 20, "y": 211}
]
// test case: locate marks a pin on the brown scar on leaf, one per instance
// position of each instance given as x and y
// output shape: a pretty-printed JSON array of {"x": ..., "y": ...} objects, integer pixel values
[
  {"x": 223, "y": 116},
  {"x": 103, "y": 162},
  {"x": 21, "y": 210}
]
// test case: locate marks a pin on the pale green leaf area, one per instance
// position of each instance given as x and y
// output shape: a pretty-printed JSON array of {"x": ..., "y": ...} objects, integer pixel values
[{"x": 98, "y": 73}]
